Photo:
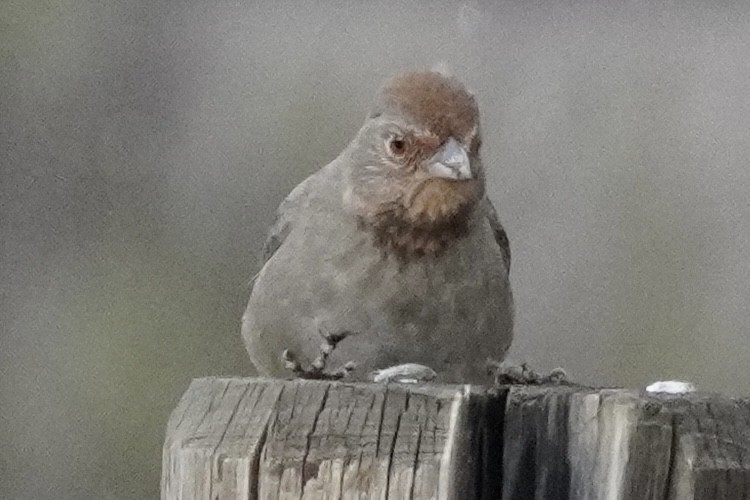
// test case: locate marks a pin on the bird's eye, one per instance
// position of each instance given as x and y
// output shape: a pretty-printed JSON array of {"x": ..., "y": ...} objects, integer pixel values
[{"x": 398, "y": 146}]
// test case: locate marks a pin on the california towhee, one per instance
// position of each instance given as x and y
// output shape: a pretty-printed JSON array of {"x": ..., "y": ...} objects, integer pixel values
[{"x": 392, "y": 253}]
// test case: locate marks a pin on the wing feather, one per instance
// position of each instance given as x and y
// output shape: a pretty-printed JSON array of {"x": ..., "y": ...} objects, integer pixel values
[{"x": 501, "y": 237}]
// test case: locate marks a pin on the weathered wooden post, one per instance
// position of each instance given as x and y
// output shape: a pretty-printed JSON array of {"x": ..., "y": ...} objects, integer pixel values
[{"x": 268, "y": 439}]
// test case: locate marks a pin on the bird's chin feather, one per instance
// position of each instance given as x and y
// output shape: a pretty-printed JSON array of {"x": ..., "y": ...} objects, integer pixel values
[
  {"x": 435, "y": 200},
  {"x": 428, "y": 216}
]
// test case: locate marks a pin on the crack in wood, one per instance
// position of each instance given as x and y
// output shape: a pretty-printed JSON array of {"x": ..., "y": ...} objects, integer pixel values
[
  {"x": 393, "y": 448},
  {"x": 221, "y": 458},
  {"x": 254, "y": 486},
  {"x": 415, "y": 464},
  {"x": 306, "y": 474},
  {"x": 380, "y": 422},
  {"x": 672, "y": 460}
]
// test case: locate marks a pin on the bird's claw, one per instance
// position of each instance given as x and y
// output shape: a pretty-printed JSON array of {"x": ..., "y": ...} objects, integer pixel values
[
  {"x": 510, "y": 374},
  {"x": 317, "y": 370}
]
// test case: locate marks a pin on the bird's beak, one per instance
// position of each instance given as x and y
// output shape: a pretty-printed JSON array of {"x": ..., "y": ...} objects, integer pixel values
[{"x": 450, "y": 162}]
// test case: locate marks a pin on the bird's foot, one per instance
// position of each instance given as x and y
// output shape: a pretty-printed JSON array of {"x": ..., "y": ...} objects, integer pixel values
[
  {"x": 408, "y": 373},
  {"x": 509, "y": 374},
  {"x": 316, "y": 370}
]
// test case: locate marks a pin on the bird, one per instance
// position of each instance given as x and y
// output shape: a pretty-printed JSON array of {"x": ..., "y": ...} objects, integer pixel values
[{"x": 392, "y": 254}]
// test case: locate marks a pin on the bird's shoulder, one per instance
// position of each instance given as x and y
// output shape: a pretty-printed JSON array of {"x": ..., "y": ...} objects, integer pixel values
[{"x": 311, "y": 195}]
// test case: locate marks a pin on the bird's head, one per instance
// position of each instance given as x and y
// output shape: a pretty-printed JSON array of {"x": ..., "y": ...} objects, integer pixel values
[{"x": 416, "y": 174}]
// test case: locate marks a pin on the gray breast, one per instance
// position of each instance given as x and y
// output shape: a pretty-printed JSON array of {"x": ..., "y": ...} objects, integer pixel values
[
  {"x": 446, "y": 312},
  {"x": 449, "y": 312}
]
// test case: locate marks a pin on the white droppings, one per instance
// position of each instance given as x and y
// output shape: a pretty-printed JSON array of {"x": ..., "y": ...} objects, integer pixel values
[
  {"x": 408, "y": 373},
  {"x": 671, "y": 387}
]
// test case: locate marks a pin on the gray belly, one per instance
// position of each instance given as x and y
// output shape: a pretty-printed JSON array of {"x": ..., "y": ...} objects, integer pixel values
[{"x": 449, "y": 312}]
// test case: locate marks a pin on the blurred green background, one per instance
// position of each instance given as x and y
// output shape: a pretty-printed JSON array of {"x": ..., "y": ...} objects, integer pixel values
[{"x": 144, "y": 147}]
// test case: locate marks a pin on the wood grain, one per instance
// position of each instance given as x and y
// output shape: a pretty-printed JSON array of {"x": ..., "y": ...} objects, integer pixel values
[{"x": 274, "y": 439}]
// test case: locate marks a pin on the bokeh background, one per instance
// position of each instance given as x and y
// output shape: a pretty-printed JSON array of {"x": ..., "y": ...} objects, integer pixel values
[{"x": 144, "y": 147}]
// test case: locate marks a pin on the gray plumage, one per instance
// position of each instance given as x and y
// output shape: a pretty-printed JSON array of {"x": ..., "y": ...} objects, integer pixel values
[{"x": 448, "y": 307}]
